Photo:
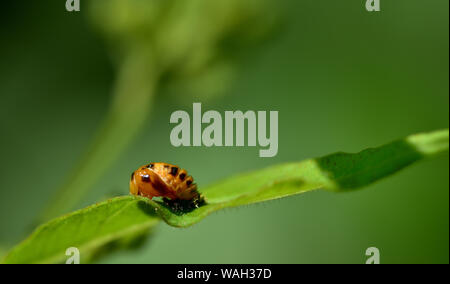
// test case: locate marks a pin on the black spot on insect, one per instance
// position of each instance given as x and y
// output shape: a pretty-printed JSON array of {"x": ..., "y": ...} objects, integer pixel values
[
  {"x": 182, "y": 176},
  {"x": 145, "y": 178},
  {"x": 174, "y": 171},
  {"x": 166, "y": 166},
  {"x": 189, "y": 182},
  {"x": 132, "y": 175},
  {"x": 150, "y": 166}
]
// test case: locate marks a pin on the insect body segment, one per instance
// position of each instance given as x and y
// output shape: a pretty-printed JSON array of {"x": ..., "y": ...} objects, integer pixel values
[{"x": 163, "y": 180}]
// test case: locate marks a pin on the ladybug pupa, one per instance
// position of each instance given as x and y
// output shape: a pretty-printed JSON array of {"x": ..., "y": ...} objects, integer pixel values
[{"x": 170, "y": 182}]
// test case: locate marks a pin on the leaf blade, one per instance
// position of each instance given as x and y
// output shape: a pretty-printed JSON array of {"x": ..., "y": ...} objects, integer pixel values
[
  {"x": 332, "y": 172},
  {"x": 87, "y": 229},
  {"x": 340, "y": 172}
]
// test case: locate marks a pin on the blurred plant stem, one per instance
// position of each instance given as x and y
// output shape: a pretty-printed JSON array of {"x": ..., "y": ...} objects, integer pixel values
[
  {"x": 132, "y": 101},
  {"x": 191, "y": 44}
]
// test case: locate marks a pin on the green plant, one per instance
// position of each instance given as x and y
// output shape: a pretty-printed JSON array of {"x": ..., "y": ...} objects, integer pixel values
[
  {"x": 126, "y": 221},
  {"x": 192, "y": 44}
]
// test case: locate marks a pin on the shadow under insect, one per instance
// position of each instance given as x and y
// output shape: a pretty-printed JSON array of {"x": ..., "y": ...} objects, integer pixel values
[{"x": 180, "y": 207}]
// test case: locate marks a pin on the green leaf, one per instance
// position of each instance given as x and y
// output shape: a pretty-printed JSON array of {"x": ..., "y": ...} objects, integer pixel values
[
  {"x": 114, "y": 223},
  {"x": 3, "y": 252},
  {"x": 92, "y": 227},
  {"x": 338, "y": 172}
]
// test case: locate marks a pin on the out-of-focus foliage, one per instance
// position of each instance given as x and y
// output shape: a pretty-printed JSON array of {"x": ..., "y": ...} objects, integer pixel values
[
  {"x": 195, "y": 41},
  {"x": 191, "y": 43}
]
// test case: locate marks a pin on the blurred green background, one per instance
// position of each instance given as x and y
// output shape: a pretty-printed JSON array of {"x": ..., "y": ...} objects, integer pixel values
[{"x": 341, "y": 78}]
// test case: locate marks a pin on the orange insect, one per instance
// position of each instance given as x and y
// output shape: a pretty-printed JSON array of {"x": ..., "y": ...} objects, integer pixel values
[{"x": 163, "y": 180}]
